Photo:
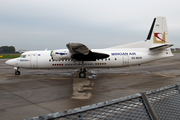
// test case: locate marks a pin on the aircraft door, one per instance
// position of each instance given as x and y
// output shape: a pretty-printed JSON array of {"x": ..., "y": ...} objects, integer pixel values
[
  {"x": 34, "y": 60},
  {"x": 125, "y": 60}
]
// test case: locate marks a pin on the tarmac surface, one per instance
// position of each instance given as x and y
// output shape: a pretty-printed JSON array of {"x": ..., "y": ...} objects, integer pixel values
[{"x": 40, "y": 92}]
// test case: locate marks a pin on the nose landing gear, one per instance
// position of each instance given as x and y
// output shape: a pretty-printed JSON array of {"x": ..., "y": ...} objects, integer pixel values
[{"x": 16, "y": 71}]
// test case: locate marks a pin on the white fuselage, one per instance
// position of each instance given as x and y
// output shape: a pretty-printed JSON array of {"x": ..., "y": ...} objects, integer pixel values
[
  {"x": 78, "y": 55},
  {"x": 117, "y": 58}
]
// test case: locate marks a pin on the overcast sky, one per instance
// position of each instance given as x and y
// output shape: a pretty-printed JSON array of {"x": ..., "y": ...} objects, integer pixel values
[{"x": 41, "y": 24}]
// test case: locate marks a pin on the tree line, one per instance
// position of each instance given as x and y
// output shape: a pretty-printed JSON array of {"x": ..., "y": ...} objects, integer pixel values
[{"x": 7, "y": 49}]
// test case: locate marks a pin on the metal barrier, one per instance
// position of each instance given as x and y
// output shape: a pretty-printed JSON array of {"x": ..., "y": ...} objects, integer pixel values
[{"x": 161, "y": 104}]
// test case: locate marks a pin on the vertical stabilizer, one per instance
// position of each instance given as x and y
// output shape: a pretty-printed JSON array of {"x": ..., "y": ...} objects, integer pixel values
[{"x": 158, "y": 33}]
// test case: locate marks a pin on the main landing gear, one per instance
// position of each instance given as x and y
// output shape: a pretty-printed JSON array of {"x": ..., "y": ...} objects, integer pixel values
[
  {"x": 82, "y": 73},
  {"x": 16, "y": 71}
]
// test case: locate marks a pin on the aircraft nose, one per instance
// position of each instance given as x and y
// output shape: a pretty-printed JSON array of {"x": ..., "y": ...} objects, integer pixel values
[{"x": 11, "y": 62}]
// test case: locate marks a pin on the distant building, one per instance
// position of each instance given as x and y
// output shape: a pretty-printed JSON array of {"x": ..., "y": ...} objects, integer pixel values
[
  {"x": 1, "y": 50},
  {"x": 175, "y": 49}
]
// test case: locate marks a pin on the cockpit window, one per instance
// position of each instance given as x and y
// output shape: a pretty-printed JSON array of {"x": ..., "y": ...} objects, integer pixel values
[{"x": 23, "y": 56}]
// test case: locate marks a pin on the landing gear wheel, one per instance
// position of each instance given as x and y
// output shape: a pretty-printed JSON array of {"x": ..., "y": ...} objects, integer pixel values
[
  {"x": 82, "y": 75},
  {"x": 17, "y": 72}
]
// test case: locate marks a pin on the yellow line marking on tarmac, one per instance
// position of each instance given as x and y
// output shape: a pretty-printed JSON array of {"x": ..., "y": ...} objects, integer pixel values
[
  {"x": 164, "y": 75},
  {"x": 7, "y": 75},
  {"x": 60, "y": 78}
]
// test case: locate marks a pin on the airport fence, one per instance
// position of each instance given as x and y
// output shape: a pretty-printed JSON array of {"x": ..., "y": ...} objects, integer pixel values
[{"x": 158, "y": 104}]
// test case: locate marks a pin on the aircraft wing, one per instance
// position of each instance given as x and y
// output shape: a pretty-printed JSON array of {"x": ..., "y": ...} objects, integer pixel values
[
  {"x": 76, "y": 48},
  {"x": 161, "y": 47},
  {"x": 82, "y": 53}
]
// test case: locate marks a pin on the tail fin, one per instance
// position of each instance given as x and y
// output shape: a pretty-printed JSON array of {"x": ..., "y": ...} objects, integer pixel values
[
  {"x": 158, "y": 34},
  {"x": 156, "y": 39}
]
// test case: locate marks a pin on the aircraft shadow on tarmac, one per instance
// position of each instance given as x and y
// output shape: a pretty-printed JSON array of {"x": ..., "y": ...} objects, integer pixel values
[{"x": 83, "y": 86}]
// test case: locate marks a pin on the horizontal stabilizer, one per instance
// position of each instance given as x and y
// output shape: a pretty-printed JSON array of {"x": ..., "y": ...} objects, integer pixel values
[{"x": 161, "y": 47}]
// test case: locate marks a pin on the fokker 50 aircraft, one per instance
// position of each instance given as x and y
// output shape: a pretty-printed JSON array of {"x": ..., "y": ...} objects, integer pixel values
[{"x": 155, "y": 47}]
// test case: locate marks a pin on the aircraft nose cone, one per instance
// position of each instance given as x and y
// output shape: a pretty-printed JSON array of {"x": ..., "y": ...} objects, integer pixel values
[{"x": 11, "y": 62}]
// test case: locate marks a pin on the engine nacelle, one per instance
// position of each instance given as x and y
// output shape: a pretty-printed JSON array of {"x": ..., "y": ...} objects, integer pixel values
[{"x": 57, "y": 55}]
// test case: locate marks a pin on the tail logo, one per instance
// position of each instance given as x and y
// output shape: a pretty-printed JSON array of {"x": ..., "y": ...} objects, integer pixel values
[{"x": 157, "y": 39}]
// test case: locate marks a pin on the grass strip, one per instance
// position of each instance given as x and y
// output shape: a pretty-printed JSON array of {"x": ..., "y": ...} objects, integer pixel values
[{"x": 8, "y": 56}]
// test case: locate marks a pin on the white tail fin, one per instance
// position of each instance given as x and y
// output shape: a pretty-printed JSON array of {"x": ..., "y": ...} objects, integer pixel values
[
  {"x": 157, "y": 38},
  {"x": 158, "y": 34}
]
